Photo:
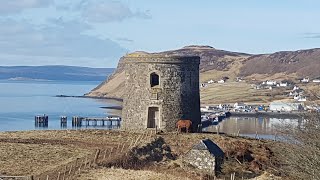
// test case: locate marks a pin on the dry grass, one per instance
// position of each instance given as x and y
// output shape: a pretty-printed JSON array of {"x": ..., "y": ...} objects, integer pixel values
[
  {"x": 232, "y": 92},
  {"x": 114, "y": 87},
  {"x": 87, "y": 138},
  {"x": 232, "y": 71},
  {"x": 36, "y": 152},
  {"x": 120, "y": 174},
  {"x": 26, "y": 159}
]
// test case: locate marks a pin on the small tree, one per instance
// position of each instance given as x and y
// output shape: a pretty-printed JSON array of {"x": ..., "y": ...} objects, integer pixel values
[{"x": 300, "y": 151}]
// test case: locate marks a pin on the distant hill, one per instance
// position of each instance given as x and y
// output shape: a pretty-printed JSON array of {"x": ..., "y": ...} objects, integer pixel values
[
  {"x": 215, "y": 64},
  {"x": 303, "y": 63},
  {"x": 65, "y": 73}
]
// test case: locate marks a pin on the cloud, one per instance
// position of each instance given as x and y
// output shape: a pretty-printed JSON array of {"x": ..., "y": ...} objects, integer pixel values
[
  {"x": 59, "y": 39},
  {"x": 125, "y": 40},
  {"x": 312, "y": 35},
  {"x": 108, "y": 11},
  {"x": 16, "y": 6}
]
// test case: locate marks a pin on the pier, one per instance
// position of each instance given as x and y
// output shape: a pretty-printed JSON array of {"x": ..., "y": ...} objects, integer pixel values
[
  {"x": 63, "y": 121},
  {"x": 78, "y": 121},
  {"x": 41, "y": 121},
  {"x": 95, "y": 121}
]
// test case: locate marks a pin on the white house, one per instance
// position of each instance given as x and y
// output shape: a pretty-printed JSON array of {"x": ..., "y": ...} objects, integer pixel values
[
  {"x": 293, "y": 93},
  {"x": 316, "y": 80},
  {"x": 295, "y": 88},
  {"x": 305, "y": 80},
  {"x": 285, "y": 106},
  {"x": 239, "y": 79},
  {"x": 221, "y": 81},
  {"x": 210, "y": 82},
  {"x": 239, "y": 105},
  {"x": 283, "y": 84},
  {"x": 203, "y": 85},
  {"x": 296, "y": 97},
  {"x": 302, "y": 99},
  {"x": 271, "y": 83},
  {"x": 204, "y": 109}
]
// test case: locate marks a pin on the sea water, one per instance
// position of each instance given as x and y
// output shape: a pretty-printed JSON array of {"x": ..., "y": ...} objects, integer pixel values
[{"x": 21, "y": 101}]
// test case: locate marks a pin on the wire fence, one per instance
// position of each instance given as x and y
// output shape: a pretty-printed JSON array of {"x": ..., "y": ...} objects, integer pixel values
[{"x": 100, "y": 156}]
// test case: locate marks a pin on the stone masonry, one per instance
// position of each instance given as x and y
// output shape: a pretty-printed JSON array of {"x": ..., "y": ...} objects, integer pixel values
[
  {"x": 205, "y": 156},
  {"x": 174, "y": 96}
]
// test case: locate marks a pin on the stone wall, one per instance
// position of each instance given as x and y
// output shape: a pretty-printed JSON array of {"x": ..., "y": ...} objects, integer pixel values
[
  {"x": 201, "y": 159},
  {"x": 177, "y": 96}
]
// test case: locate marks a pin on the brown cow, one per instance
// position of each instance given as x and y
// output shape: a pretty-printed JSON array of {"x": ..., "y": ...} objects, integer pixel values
[{"x": 184, "y": 124}]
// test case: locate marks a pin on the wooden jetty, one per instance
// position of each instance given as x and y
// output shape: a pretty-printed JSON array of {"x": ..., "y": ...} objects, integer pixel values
[
  {"x": 95, "y": 121},
  {"x": 63, "y": 121},
  {"x": 41, "y": 120}
]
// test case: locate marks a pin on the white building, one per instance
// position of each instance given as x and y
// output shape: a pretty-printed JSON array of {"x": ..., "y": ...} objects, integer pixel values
[
  {"x": 239, "y": 105},
  {"x": 271, "y": 83},
  {"x": 203, "y": 85},
  {"x": 283, "y": 84},
  {"x": 302, "y": 99},
  {"x": 210, "y": 82},
  {"x": 221, "y": 81},
  {"x": 305, "y": 80},
  {"x": 285, "y": 106},
  {"x": 296, "y": 97},
  {"x": 295, "y": 88},
  {"x": 316, "y": 80}
]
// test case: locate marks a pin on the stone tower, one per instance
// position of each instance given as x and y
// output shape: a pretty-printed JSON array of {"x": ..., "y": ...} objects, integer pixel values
[{"x": 160, "y": 90}]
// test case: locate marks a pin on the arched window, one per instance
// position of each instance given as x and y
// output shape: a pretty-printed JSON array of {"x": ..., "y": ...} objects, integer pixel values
[{"x": 154, "y": 79}]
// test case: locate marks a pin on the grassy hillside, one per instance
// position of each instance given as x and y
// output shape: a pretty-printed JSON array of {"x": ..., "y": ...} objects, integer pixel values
[{"x": 215, "y": 64}]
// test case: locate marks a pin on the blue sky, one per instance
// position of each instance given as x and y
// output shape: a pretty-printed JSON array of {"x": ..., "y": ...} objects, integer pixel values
[{"x": 97, "y": 33}]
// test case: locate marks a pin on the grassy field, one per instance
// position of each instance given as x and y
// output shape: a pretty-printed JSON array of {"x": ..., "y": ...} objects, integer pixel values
[
  {"x": 232, "y": 92},
  {"x": 47, "y": 152},
  {"x": 36, "y": 152},
  {"x": 120, "y": 174},
  {"x": 23, "y": 159}
]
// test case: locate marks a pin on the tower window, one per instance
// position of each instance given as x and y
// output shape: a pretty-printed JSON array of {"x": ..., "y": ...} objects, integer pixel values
[{"x": 154, "y": 79}]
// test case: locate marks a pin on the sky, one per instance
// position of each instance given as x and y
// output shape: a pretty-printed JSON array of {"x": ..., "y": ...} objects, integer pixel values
[{"x": 96, "y": 33}]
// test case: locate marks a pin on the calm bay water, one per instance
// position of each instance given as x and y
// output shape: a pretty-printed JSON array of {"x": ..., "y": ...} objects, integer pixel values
[
  {"x": 265, "y": 127},
  {"x": 21, "y": 101}
]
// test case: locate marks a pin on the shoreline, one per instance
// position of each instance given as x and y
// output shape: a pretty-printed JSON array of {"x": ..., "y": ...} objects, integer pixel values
[
  {"x": 112, "y": 107},
  {"x": 89, "y": 97},
  {"x": 269, "y": 114}
]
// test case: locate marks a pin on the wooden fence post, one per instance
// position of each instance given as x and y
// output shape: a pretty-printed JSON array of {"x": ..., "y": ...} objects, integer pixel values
[
  {"x": 64, "y": 173},
  {"x": 86, "y": 162},
  {"x": 105, "y": 154},
  {"x": 70, "y": 170},
  {"x": 96, "y": 157},
  {"x": 131, "y": 143},
  {"x": 110, "y": 152},
  {"x": 80, "y": 168},
  {"x": 122, "y": 147}
]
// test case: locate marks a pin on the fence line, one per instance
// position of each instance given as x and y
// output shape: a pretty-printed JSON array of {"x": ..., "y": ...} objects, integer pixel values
[{"x": 108, "y": 155}]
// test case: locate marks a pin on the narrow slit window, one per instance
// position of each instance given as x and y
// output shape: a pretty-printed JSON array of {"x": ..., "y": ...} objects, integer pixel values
[{"x": 154, "y": 79}]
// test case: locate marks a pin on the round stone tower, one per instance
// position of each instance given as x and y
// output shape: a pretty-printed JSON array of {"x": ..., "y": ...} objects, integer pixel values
[{"x": 160, "y": 90}]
